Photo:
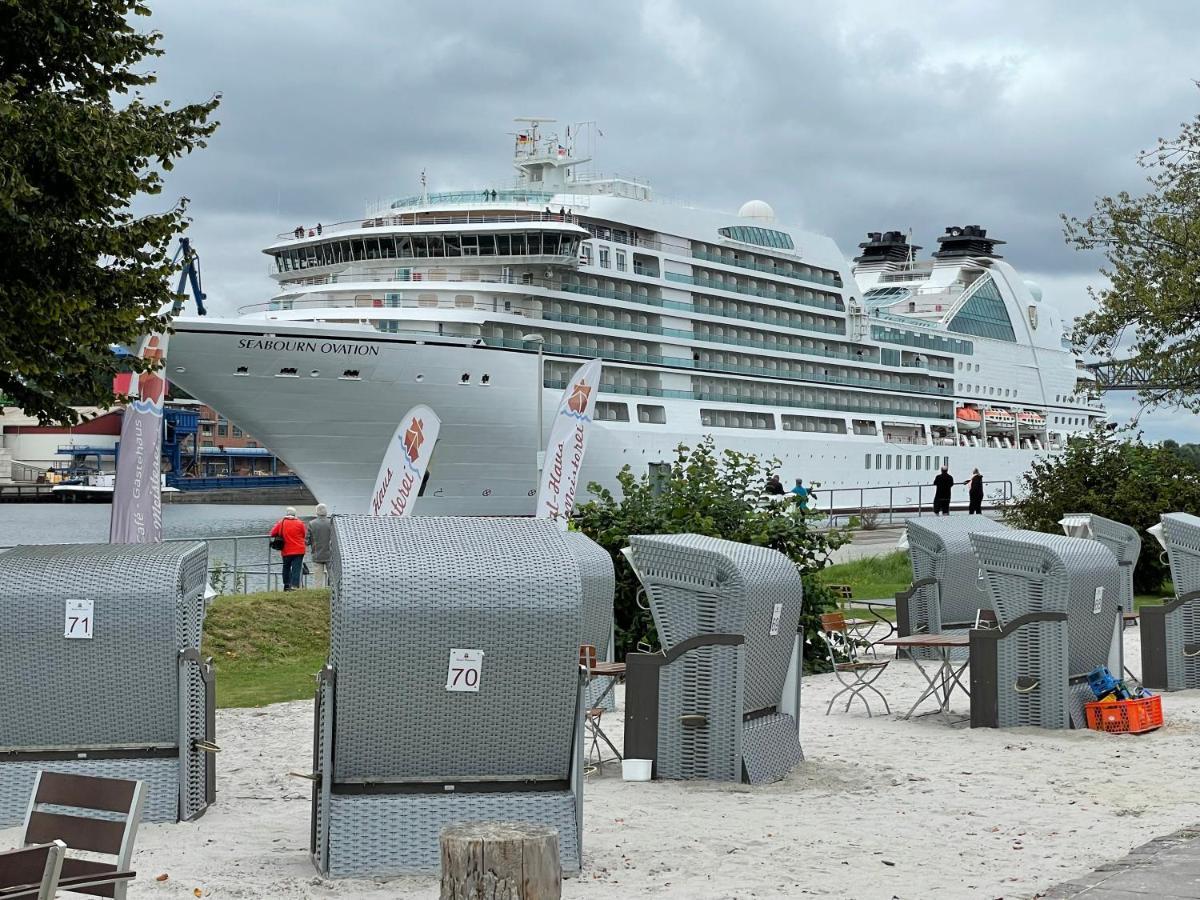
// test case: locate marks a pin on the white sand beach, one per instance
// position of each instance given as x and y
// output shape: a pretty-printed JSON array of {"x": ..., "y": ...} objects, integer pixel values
[{"x": 882, "y": 808}]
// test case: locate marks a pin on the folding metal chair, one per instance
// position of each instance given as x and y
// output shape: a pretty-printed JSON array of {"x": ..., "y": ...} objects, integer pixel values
[
  {"x": 594, "y": 670},
  {"x": 863, "y": 672}
]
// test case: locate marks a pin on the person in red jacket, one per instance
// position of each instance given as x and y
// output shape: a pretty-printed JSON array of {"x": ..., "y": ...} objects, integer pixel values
[{"x": 292, "y": 532}]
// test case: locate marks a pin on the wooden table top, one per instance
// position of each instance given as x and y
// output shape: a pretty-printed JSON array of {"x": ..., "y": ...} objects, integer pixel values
[{"x": 955, "y": 639}]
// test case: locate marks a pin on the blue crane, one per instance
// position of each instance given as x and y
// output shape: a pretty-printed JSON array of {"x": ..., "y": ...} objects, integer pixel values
[{"x": 190, "y": 260}]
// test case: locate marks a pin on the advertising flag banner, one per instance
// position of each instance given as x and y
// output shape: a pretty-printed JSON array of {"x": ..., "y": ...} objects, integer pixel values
[
  {"x": 405, "y": 463},
  {"x": 137, "y": 492},
  {"x": 568, "y": 439}
]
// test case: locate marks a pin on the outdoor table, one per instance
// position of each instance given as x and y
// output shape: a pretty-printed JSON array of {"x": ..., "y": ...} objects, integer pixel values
[{"x": 945, "y": 676}]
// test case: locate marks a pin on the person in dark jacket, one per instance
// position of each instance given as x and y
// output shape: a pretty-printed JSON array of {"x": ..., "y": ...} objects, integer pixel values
[
  {"x": 319, "y": 532},
  {"x": 292, "y": 532},
  {"x": 775, "y": 486},
  {"x": 941, "y": 492},
  {"x": 974, "y": 493}
]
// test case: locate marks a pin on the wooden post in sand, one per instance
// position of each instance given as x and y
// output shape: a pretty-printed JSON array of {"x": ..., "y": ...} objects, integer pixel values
[{"x": 500, "y": 861}]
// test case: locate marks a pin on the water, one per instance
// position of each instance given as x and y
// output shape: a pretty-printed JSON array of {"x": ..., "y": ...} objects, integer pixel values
[{"x": 57, "y": 523}]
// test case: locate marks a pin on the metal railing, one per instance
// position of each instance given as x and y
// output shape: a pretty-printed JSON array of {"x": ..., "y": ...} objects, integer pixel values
[
  {"x": 890, "y": 500},
  {"x": 738, "y": 288},
  {"x": 396, "y": 220},
  {"x": 814, "y": 277}
]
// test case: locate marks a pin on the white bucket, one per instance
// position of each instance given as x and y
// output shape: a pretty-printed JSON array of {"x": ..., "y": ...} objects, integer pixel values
[{"x": 636, "y": 769}]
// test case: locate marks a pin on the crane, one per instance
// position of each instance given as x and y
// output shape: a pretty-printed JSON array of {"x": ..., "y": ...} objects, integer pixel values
[{"x": 187, "y": 256}]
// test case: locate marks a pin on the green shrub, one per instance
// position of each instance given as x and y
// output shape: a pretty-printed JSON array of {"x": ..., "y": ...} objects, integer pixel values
[
  {"x": 714, "y": 494},
  {"x": 1116, "y": 477}
]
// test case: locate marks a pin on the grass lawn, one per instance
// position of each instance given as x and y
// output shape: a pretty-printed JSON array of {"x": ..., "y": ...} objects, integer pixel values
[{"x": 267, "y": 647}]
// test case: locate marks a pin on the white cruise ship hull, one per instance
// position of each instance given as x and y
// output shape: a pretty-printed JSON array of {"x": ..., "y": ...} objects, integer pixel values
[{"x": 326, "y": 400}]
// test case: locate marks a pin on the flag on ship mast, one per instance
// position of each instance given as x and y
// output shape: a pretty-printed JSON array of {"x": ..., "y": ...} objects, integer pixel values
[
  {"x": 137, "y": 492},
  {"x": 568, "y": 440},
  {"x": 405, "y": 463}
]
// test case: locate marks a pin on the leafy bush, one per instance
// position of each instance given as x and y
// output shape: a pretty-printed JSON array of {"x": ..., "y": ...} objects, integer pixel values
[
  {"x": 714, "y": 494},
  {"x": 1115, "y": 477}
]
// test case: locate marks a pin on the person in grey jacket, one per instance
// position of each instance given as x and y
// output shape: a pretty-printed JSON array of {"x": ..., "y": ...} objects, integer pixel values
[{"x": 319, "y": 532}]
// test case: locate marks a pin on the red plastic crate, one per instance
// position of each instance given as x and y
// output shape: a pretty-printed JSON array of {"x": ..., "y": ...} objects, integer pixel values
[{"x": 1126, "y": 716}]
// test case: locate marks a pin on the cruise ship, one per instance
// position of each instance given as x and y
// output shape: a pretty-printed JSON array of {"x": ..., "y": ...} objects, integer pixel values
[{"x": 480, "y": 303}]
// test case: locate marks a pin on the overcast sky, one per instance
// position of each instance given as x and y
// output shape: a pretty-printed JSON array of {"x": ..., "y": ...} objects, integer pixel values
[{"x": 846, "y": 117}]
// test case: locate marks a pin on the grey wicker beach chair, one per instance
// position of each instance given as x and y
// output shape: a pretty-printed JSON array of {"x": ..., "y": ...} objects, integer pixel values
[
  {"x": 946, "y": 592},
  {"x": 410, "y": 734},
  {"x": 1171, "y": 632},
  {"x": 711, "y": 704},
  {"x": 134, "y": 700},
  {"x": 1056, "y": 601}
]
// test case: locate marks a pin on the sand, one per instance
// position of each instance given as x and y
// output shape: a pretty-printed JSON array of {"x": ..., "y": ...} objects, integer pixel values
[{"x": 882, "y": 808}]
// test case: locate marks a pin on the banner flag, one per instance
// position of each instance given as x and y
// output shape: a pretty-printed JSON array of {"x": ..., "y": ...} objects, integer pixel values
[
  {"x": 137, "y": 493},
  {"x": 568, "y": 439},
  {"x": 405, "y": 463}
]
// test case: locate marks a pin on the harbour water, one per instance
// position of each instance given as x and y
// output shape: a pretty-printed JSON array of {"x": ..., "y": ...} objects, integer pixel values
[{"x": 245, "y": 566}]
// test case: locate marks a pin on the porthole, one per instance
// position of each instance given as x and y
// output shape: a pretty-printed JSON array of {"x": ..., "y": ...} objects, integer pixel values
[
  {"x": 242, "y": 370},
  {"x": 420, "y": 378},
  {"x": 315, "y": 373},
  {"x": 181, "y": 369},
  {"x": 465, "y": 378},
  {"x": 485, "y": 378}
]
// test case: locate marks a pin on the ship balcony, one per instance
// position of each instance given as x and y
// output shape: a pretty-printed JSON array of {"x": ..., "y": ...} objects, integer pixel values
[
  {"x": 735, "y": 287},
  {"x": 410, "y": 219}
]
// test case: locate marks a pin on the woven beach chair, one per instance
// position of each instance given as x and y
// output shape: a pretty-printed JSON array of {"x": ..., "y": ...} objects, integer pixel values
[
  {"x": 97, "y": 816},
  {"x": 945, "y": 592},
  {"x": 712, "y": 704},
  {"x": 855, "y": 674},
  {"x": 142, "y": 696},
  {"x": 1170, "y": 633},
  {"x": 1057, "y": 604}
]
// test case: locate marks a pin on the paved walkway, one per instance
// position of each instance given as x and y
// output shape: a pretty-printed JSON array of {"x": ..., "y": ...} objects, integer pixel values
[{"x": 1167, "y": 867}]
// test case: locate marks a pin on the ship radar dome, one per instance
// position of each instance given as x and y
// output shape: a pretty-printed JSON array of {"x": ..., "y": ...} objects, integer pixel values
[
  {"x": 1035, "y": 290},
  {"x": 757, "y": 209}
]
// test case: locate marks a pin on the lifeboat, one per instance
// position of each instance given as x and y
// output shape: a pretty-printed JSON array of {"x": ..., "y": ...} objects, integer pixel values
[
  {"x": 1035, "y": 420},
  {"x": 1000, "y": 417},
  {"x": 967, "y": 417}
]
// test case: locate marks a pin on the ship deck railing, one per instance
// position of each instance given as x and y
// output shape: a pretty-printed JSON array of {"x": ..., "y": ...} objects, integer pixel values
[{"x": 400, "y": 220}]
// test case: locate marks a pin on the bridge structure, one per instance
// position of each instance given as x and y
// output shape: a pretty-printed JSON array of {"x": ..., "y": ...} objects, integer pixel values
[{"x": 1125, "y": 375}]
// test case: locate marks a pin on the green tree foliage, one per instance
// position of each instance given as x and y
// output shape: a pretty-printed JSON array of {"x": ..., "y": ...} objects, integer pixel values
[
  {"x": 1152, "y": 247},
  {"x": 1120, "y": 479},
  {"x": 78, "y": 144},
  {"x": 714, "y": 494},
  {"x": 1188, "y": 452}
]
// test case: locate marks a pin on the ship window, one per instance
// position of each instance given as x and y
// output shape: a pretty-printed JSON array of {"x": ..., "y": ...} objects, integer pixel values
[
  {"x": 620, "y": 261},
  {"x": 604, "y": 257},
  {"x": 485, "y": 379},
  {"x": 243, "y": 370},
  {"x": 907, "y": 462},
  {"x": 607, "y": 411},
  {"x": 288, "y": 373},
  {"x": 651, "y": 414},
  {"x": 888, "y": 459},
  {"x": 867, "y": 461},
  {"x": 920, "y": 459},
  {"x": 350, "y": 373},
  {"x": 945, "y": 461},
  {"x": 878, "y": 460},
  {"x": 763, "y": 237}
]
